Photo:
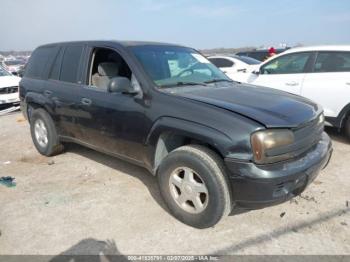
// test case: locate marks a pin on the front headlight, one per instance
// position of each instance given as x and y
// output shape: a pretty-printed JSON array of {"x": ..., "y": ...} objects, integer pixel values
[
  {"x": 266, "y": 144},
  {"x": 321, "y": 119}
]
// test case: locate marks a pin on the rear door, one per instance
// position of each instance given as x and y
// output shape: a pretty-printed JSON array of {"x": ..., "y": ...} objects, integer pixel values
[
  {"x": 329, "y": 82},
  {"x": 285, "y": 72},
  {"x": 64, "y": 83}
]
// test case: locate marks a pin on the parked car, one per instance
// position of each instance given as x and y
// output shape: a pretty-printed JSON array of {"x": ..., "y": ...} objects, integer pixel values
[
  {"x": 8, "y": 88},
  {"x": 262, "y": 54},
  {"x": 21, "y": 70},
  {"x": 235, "y": 67},
  {"x": 213, "y": 144},
  {"x": 321, "y": 74},
  {"x": 13, "y": 66}
]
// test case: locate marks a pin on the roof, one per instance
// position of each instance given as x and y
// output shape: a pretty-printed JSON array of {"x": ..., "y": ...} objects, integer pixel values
[
  {"x": 122, "y": 43},
  {"x": 319, "y": 48}
]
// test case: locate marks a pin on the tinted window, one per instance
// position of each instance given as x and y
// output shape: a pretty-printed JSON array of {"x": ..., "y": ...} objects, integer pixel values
[
  {"x": 287, "y": 64},
  {"x": 56, "y": 67},
  {"x": 221, "y": 62},
  {"x": 260, "y": 55},
  {"x": 13, "y": 62},
  {"x": 39, "y": 60},
  {"x": 332, "y": 62},
  {"x": 248, "y": 60},
  {"x": 70, "y": 63}
]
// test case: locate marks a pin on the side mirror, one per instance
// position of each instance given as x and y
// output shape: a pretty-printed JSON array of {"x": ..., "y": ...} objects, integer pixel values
[
  {"x": 256, "y": 72},
  {"x": 120, "y": 85}
]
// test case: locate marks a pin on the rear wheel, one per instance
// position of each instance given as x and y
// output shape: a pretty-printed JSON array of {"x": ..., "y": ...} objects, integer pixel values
[
  {"x": 193, "y": 184},
  {"x": 347, "y": 127},
  {"x": 44, "y": 134}
]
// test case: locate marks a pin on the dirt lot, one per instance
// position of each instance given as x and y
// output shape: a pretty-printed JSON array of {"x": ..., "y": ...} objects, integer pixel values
[{"x": 84, "y": 202}]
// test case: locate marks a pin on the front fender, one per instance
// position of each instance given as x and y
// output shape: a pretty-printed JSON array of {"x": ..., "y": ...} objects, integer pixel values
[
  {"x": 166, "y": 126},
  {"x": 189, "y": 129}
]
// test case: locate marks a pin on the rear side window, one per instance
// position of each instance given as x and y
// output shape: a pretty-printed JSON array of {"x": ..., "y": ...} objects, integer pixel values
[
  {"x": 287, "y": 64},
  {"x": 56, "y": 66},
  {"x": 70, "y": 63},
  {"x": 39, "y": 61},
  {"x": 221, "y": 62},
  {"x": 332, "y": 62}
]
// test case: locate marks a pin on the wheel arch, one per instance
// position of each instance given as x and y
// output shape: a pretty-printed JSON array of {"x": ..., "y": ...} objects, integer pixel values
[
  {"x": 339, "y": 121},
  {"x": 35, "y": 101},
  {"x": 169, "y": 133}
]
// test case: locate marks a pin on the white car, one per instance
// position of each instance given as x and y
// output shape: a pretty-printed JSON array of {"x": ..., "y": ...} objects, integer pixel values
[
  {"x": 8, "y": 88},
  {"x": 13, "y": 66},
  {"x": 235, "y": 67},
  {"x": 320, "y": 73}
]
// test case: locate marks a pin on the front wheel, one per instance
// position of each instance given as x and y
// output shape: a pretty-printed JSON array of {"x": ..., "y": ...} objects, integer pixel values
[{"x": 193, "y": 183}]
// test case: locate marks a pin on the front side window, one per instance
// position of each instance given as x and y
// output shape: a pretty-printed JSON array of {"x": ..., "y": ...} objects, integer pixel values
[
  {"x": 287, "y": 64},
  {"x": 70, "y": 64},
  {"x": 171, "y": 66},
  {"x": 105, "y": 65},
  {"x": 332, "y": 62}
]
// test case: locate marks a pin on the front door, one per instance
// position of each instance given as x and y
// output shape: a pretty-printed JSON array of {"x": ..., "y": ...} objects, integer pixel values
[
  {"x": 285, "y": 73},
  {"x": 112, "y": 122}
]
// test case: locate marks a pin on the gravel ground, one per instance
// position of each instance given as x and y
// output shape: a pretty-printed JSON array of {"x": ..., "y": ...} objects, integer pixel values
[{"x": 84, "y": 202}]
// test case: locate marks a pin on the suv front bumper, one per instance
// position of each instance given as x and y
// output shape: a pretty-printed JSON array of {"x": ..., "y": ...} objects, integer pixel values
[{"x": 256, "y": 186}]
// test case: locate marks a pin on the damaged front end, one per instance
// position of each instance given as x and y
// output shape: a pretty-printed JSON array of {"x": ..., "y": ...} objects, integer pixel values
[{"x": 9, "y": 99}]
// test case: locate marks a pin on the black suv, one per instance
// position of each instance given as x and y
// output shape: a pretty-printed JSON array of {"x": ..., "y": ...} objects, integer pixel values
[{"x": 214, "y": 144}]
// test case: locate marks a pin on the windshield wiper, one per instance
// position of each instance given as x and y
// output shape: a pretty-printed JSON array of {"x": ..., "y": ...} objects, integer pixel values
[
  {"x": 218, "y": 80},
  {"x": 182, "y": 83}
]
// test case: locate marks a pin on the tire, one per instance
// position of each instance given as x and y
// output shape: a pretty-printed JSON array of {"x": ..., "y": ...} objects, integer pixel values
[
  {"x": 206, "y": 168},
  {"x": 347, "y": 127},
  {"x": 43, "y": 121}
]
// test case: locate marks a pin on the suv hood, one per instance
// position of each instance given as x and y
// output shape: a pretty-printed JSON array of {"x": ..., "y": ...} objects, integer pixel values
[
  {"x": 270, "y": 107},
  {"x": 9, "y": 81}
]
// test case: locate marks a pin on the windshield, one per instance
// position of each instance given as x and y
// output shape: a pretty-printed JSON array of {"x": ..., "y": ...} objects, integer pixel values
[
  {"x": 248, "y": 60},
  {"x": 3, "y": 72},
  {"x": 171, "y": 66}
]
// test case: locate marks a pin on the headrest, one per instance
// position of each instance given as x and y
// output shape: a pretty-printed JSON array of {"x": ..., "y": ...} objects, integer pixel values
[{"x": 108, "y": 69}]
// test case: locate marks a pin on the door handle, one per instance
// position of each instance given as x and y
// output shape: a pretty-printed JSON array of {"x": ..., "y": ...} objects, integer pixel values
[
  {"x": 347, "y": 83},
  {"x": 47, "y": 92},
  {"x": 293, "y": 83},
  {"x": 86, "y": 101}
]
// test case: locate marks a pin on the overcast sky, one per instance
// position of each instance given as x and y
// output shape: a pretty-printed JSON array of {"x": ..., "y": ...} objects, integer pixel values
[{"x": 26, "y": 24}]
